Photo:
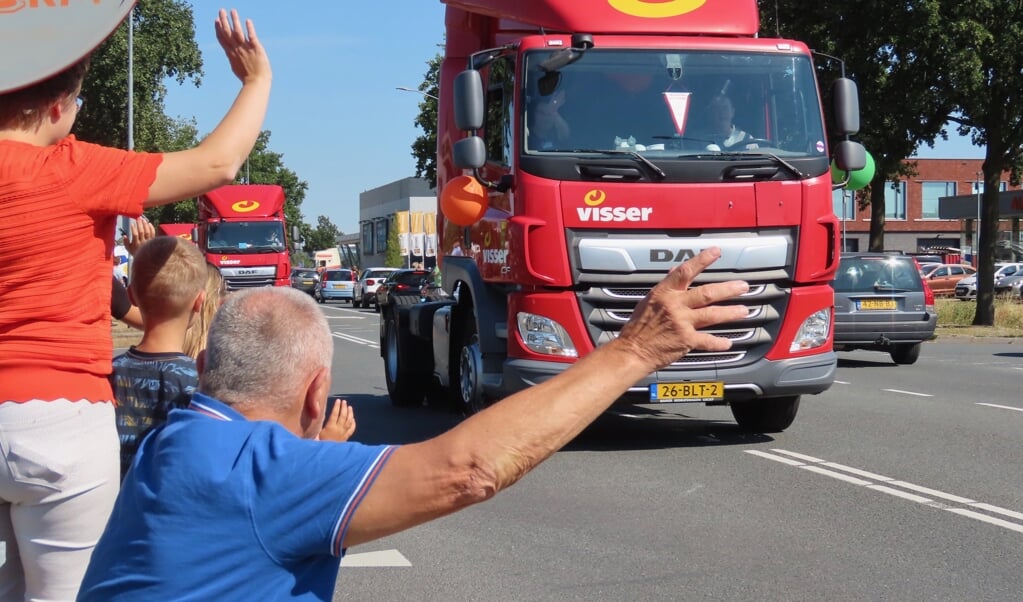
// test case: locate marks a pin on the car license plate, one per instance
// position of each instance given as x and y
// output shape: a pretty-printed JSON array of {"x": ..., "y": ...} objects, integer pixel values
[
  {"x": 682, "y": 392},
  {"x": 877, "y": 304},
  {"x": 307, "y": 282},
  {"x": 340, "y": 286}
]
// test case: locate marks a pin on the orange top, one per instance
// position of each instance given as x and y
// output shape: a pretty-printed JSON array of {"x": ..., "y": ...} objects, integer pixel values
[{"x": 58, "y": 210}]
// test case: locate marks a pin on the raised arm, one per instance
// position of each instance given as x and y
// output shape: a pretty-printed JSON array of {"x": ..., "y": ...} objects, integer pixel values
[
  {"x": 216, "y": 160},
  {"x": 495, "y": 448}
]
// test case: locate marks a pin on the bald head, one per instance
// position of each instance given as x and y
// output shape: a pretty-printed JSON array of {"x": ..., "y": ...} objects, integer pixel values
[{"x": 263, "y": 344}]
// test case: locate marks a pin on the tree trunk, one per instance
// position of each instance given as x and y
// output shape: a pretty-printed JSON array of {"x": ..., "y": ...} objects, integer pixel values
[{"x": 877, "y": 214}]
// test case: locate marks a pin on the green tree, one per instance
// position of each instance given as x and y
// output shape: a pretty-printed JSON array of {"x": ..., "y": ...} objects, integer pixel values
[
  {"x": 267, "y": 167},
  {"x": 985, "y": 74},
  {"x": 893, "y": 52},
  {"x": 392, "y": 256},
  {"x": 323, "y": 236},
  {"x": 164, "y": 49},
  {"x": 424, "y": 148}
]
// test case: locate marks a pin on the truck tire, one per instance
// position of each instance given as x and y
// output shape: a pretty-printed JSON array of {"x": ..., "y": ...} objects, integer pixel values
[
  {"x": 905, "y": 354},
  {"x": 407, "y": 379},
  {"x": 467, "y": 370},
  {"x": 771, "y": 415}
]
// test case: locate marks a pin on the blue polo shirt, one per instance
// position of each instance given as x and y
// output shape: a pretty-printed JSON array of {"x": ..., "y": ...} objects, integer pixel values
[{"x": 217, "y": 507}]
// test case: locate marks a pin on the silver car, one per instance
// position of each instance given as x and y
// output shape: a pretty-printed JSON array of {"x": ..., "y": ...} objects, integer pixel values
[{"x": 966, "y": 289}]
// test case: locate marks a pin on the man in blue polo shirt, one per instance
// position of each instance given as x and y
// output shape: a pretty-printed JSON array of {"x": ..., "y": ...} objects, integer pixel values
[{"x": 234, "y": 498}]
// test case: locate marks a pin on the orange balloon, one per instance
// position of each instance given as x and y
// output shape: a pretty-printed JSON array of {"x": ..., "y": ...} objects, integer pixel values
[{"x": 463, "y": 201}]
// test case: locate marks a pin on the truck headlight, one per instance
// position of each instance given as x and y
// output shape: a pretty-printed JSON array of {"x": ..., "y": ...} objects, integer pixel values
[
  {"x": 544, "y": 335},
  {"x": 813, "y": 332}
]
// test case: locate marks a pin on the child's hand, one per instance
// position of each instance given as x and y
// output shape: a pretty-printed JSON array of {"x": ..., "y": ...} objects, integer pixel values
[
  {"x": 340, "y": 423},
  {"x": 247, "y": 56}
]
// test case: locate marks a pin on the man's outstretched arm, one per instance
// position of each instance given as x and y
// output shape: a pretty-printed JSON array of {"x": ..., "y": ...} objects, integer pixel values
[{"x": 495, "y": 448}]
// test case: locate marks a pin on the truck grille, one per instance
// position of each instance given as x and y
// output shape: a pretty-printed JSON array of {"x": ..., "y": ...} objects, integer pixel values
[
  {"x": 238, "y": 282},
  {"x": 614, "y": 278}
]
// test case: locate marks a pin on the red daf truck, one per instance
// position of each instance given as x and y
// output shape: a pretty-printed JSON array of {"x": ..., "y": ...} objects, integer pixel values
[
  {"x": 185, "y": 231},
  {"x": 242, "y": 231},
  {"x": 587, "y": 136}
]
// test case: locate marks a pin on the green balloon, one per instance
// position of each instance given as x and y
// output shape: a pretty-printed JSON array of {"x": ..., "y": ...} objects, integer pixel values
[{"x": 857, "y": 179}]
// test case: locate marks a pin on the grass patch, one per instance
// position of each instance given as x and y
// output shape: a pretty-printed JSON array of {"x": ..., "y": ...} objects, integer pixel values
[{"x": 956, "y": 316}]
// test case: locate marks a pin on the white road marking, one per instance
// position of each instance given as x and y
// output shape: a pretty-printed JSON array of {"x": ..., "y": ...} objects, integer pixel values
[
  {"x": 902, "y": 494},
  {"x": 1001, "y": 407},
  {"x": 345, "y": 317},
  {"x": 896, "y": 488},
  {"x": 841, "y": 382},
  {"x": 375, "y": 559},
  {"x": 987, "y": 519},
  {"x": 908, "y": 392},
  {"x": 351, "y": 339}
]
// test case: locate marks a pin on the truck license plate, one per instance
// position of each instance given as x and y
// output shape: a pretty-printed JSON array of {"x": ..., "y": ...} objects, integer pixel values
[{"x": 686, "y": 392}]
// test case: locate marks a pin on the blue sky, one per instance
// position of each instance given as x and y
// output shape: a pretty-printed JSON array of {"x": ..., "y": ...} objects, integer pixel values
[{"x": 334, "y": 112}]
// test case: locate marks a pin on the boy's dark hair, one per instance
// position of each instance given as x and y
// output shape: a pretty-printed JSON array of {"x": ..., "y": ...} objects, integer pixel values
[{"x": 25, "y": 107}]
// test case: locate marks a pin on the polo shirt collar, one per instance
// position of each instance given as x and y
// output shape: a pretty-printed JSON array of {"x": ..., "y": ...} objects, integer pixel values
[{"x": 208, "y": 406}]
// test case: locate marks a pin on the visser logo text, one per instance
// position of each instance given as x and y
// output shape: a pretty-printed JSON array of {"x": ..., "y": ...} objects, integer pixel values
[{"x": 594, "y": 211}]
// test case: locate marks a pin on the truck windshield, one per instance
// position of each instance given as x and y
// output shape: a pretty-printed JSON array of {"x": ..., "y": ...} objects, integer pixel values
[
  {"x": 246, "y": 237},
  {"x": 670, "y": 104}
]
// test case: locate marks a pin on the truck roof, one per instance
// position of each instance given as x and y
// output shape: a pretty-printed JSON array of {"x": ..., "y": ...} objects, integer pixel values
[
  {"x": 242, "y": 200},
  {"x": 47, "y": 37},
  {"x": 677, "y": 17}
]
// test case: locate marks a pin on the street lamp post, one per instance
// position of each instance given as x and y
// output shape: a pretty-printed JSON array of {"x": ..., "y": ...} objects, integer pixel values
[
  {"x": 976, "y": 239},
  {"x": 417, "y": 91}
]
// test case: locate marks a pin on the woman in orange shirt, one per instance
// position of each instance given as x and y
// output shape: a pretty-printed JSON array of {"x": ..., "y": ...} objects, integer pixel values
[{"x": 59, "y": 201}]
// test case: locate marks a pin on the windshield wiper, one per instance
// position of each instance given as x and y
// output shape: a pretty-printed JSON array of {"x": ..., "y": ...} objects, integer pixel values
[
  {"x": 757, "y": 154},
  {"x": 628, "y": 153},
  {"x": 891, "y": 288}
]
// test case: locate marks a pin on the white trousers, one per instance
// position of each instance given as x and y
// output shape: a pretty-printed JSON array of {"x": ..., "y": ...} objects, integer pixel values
[{"x": 59, "y": 477}]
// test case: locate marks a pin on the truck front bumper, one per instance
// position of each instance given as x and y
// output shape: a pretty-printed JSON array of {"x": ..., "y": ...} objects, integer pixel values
[{"x": 806, "y": 375}]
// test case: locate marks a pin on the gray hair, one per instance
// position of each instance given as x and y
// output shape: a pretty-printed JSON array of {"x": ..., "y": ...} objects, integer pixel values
[{"x": 262, "y": 345}]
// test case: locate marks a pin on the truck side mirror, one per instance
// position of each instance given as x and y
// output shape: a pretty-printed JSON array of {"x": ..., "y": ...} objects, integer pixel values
[
  {"x": 468, "y": 100},
  {"x": 469, "y": 153},
  {"x": 846, "y": 106},
  {"x": 850, "y": 156}
]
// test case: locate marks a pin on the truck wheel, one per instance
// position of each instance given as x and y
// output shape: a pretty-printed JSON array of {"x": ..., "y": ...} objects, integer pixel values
[
  {"x": 405, "y": 384},
  {"x": 906, "y": 354},
  {"x": 467, "y": 371},
  {"x": 771, "y": 415}
]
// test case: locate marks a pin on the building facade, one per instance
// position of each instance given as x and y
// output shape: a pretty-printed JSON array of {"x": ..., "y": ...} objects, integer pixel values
[
  {"x": 378, "y": 210},
  {"x": 913, "y": 220}
]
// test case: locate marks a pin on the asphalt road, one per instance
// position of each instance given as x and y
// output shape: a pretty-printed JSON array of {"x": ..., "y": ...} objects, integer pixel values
[{"x": 899, "y": 483}]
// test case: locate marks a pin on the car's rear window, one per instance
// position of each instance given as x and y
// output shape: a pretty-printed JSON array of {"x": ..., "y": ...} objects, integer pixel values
[
  {"x": 876, "y": 274},
  {"x": 376, "y": 273},
  {"x": 417, "y": 277},
  {"x": 338, "y": 275}
]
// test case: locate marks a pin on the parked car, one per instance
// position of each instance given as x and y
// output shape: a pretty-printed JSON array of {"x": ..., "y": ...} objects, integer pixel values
[
  {"x": 335, "y": 283},
  {"x": 1010, "y": 287},
  {"x": 882, "y": 304},
  {"x": 366, "y": 286},
  {"x": 304, "y": 279},
  {"x": 966, "y": 289},
  {"x": 943, "y": 277},
  {"x": 403, "y": 287}
]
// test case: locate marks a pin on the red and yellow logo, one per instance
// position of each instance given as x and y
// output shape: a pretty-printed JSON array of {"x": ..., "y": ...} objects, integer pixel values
[
  {"x": 594, "y": 198},
  {"x": 245, "y": 206},
  {"x": 656, "y": 9}
]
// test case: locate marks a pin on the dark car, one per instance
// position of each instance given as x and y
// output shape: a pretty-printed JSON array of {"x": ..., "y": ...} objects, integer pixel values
[
  {"x": 403, "y": 287},
  {"x": 882, "y": 304},
  {"x": 304, "y": 279}
]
